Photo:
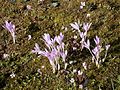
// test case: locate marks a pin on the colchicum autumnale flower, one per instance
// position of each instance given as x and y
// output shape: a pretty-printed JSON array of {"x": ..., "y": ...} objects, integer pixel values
[
  {"x": 54, "y": 50},
  {"x": 11, "y": 28},
  {"x": 75, "y": 26},
  {"x": 95, "y": 52},
  {"x": 83, "y": 35}
]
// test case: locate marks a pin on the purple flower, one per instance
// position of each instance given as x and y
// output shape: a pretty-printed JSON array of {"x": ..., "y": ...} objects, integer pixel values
[
  {"x": 59, "y": 38},
  {"x": 81, "y": 35},
  {"x": 54, "y": 51},
  {"x": 49, "y": 55},
  {"x": 51, "y": 58},
  {"x": 48, "y": 41},
  {"x": 96, "y": 51},
  {"x": 87, "y": 44},
  {"x": 86, "y": 26},
  {"x": 64, "y": 55},
  {"x": 11, "y": 28},
  {"x": 97, "y": 40},
  {"x": 46, "y": 37},
  {"x": 36, "y": 49},
  {"x": 83, "y": 39},
  {"x": 75, "y": 26}
]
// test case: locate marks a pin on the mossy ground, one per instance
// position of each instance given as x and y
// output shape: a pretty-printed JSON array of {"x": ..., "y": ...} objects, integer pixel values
[{"x": 44, "y": 17}]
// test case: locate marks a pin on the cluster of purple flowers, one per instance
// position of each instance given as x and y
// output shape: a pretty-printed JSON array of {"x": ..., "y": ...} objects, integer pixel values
[
  {"x": 86, "y": 43},
  {"x": 95, "y": 52},
  {"x": 83, "y": 34},
  {"x": 56, "y": 47},
  {"x": 54, "y": 51}
]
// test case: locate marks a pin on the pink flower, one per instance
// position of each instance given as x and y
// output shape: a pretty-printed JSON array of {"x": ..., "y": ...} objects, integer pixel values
[
  {"x": 86, "y": 26},
  {"x": 54, "y": 51},
  {"x": 36, "y": 49},
  {"x": 97, "y": 40},
  {"x": 75, "y": 26},
  {"x": 59, "y": 38},
  {"x": 87, "y": 44},
  {"x": 11, "y": 28}
]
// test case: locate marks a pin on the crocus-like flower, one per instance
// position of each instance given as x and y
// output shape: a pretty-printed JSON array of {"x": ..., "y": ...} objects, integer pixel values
[
  {"x": 11, "y": 28},
  {"x": 36, "y": 49},
  {"x": 48, "y": 41},
  {"x": 63, "y": 55},
  {"x": 96, "y": 51},
  {"x": 59, "y": 38},
  {"x": 82, "y": 35},
  {"x": 97, "y": 40},
  {"x": 86, "y": 26},
  {"x": 87, "y": 44},
  {"x": 75, "y": 26}
]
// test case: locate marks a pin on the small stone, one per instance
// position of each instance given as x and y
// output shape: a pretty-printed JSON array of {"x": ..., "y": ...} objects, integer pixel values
[
  {"x": 55, "y": 4},
  {"x": 28, "y": 7},
  {"x": 74, "y": 71},
  {"x": 66, "y": 64},
  {"x": 5, "y": 56},
  {"x": 81, "y": 86},
  {"x": 29, "y": 37},
  {"x": 42, "y": 66},
  {"x": 71, "y": 62},
  {"x": 75, "y": 37},
  {"x": 80, "y": 72},
  {"x": 74, "y": 48},
  {"x": 12, "y": 75},
  {"x": 88, "y": 15},
  {"x": 72, "y": 80}
]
